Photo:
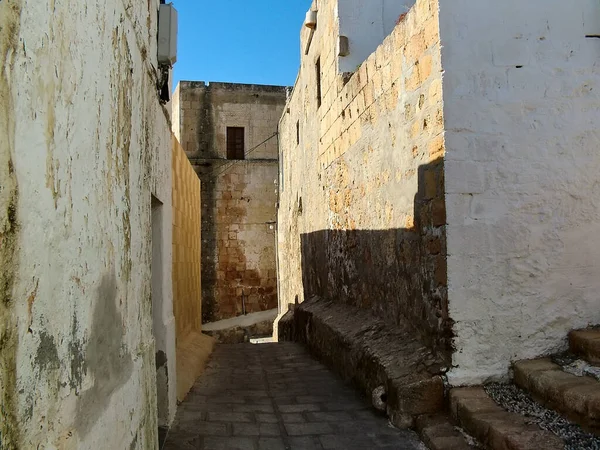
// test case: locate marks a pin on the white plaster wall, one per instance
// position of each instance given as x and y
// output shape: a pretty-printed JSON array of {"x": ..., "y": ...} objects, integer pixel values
[
  {"x": 366, "y": 24},
  {"x": 175, "y": 109},
  {"x": 89, "y": 144},
  {"x": 521, "y": 105}
]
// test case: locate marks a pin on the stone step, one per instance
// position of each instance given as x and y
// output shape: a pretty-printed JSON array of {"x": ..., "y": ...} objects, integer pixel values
[
  {"x": 586, "y": 343},
  {"x": 577, "y": 398},
  {"x": 439, "y": 433},
  {"x": 496, "y": 428}
]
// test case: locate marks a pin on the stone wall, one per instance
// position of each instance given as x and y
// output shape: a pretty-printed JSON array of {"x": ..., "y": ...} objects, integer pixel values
[
  {"x": 521, "y": 86},
  {"x": 238, "y": 196},
  {"x": 187, "y": 298},
  {"x": 85, "y": 146},
  {"x": 362, "y": 212},
  {"x": 507, "y": 160}
]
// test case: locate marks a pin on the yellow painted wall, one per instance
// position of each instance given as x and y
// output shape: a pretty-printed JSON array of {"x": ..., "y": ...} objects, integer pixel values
[{"x": 187, "y": 300}]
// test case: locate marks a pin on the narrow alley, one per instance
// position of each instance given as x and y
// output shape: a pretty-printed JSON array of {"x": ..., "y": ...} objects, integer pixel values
[
  {"x": 275, "y": 396},
  {"x": 310, "y": 224}
]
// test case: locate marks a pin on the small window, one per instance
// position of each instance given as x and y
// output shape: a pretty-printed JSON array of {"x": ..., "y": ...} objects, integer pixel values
[
  {"x": 298, "y": 132},
  {"x": 235, "y": 143},
  {"x": 318, "y": 68}
]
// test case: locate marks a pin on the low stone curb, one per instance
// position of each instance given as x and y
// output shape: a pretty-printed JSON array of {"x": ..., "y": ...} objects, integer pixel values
[{"x": 371, "y": 354}]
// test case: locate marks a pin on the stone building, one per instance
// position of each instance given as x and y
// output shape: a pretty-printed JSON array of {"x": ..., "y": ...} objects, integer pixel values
[
  {"x": 87, "y": 331},
  {"x": 229, "y": 132},
  {"x": 438, "y": 178}
]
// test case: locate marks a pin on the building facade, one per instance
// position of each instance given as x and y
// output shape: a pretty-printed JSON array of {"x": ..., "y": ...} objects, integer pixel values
[
  {"x": 87, "y": 330},
  {"x": 229, "y": 133},
  {"x": 438, "y": 170}
]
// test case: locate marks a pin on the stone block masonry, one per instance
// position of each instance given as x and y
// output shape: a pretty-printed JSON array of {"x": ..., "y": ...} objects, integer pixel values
[
  {"x": 362, "y": 189},
  {"x": 448, "y": 179},
  {"x": 239, "y": 196}
]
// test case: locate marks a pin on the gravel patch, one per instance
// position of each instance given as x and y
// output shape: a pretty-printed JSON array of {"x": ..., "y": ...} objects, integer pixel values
[
  {"x": 578, "y": 367},
  {"x": 518, "y": 401}
]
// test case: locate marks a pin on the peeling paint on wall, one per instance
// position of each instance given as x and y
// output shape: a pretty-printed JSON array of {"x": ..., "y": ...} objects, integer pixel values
[
  {"x": 10, "y": 15},
  {"x": 108, "y": 361},
  {"x": 88, "y": 144}
]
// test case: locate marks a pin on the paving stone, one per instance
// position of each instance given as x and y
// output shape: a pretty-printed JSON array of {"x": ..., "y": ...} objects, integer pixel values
[
  {"x": 337, "y": 442},
  {"x": 226, "y": 411},
  {"x": 336, "y": 416},
  {"x": 298, "y": 408},
  {"x": 209, "y": 429},
  {"x": 302, "y": 399},
  {"x": 216, "y": 399},
  {"x": 256, "y": 429},
  {"x": 266, "y": 418},
  {"x": 293, "y": 418},
  {"x": 229, "y": 443},
  {"x": 229, "y": 417},
  {"x": 271, "y": 444},
  {"x": 259, "y": 408},
  {"x": 305, "y": 443},
  {"x": 300, "y": 429}
]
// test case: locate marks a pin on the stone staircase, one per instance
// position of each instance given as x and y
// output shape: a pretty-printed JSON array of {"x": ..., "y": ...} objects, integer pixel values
[{"x": 515, "y": 421}]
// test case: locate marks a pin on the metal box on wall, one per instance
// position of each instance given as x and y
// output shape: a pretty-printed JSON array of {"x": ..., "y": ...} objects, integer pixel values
[{"x": 167, "y": 35}]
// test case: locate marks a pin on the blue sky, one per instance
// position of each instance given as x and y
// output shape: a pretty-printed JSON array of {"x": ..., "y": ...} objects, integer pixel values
[{"x": 239, "y": 41}]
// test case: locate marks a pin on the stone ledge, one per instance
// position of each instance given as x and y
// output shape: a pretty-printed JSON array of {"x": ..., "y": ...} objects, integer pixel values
[
  {"x": 496, "y": 428},
  {"x": 371, "y": 354}
]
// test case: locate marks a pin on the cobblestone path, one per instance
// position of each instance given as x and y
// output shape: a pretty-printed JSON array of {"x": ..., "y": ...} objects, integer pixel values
[{"x": 276, "y": 397}]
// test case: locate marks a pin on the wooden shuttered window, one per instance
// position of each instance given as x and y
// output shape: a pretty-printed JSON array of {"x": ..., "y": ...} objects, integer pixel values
[{"x": 235, "y": 143}]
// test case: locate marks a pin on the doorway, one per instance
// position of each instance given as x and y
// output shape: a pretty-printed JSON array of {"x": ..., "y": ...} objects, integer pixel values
[{"x": 162, "y": 374}]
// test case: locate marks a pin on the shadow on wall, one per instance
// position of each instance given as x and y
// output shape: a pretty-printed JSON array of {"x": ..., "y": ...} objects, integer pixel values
[{"x": 399, "y": 274}]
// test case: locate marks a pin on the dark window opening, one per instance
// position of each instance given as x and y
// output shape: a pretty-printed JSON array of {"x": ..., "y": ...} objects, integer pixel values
[
  {"x": 298, "y": 133},
  {"x": 318, "y": 67},
  {"x": 235, "y": 143}
]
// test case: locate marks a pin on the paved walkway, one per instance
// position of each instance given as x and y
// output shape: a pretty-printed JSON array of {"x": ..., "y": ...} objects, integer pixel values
[{"x": 276, "y": 397}]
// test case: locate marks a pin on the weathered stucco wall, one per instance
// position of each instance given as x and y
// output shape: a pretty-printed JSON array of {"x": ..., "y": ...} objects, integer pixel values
[
  {"x": 362, "y": 215},
  {"x": 85, "y": 144},
  {"x": 521, "y": 86},
  {"x": 238, "y": 197}
]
